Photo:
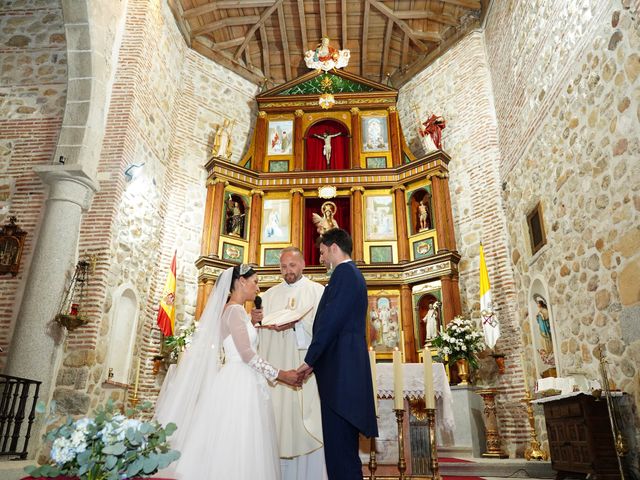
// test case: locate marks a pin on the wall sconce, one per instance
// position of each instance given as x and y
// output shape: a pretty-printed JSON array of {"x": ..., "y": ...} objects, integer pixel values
[
  {"x": 71, "y": 314},
  {"x": 132, "y": 171}
]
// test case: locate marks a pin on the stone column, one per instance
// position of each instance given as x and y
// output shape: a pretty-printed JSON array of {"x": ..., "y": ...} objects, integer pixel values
[
  {"x": 216, "y": 214},
  {"x": 259, "y": 150},
  {"x": 356, "y": 224},
  {"x": 442, "y": 212},
  {"x": 254, "y": 228},
  {"x": 401, "y": 219},
  {"x": 356, "y": 137},
  {"x": 36, "y": 341},
  {"x": 394, "y": 137},
  {"x": 407, "y": 324},
  {"x": 296, "y": 217},
  {"x": 298, "y": 145}
]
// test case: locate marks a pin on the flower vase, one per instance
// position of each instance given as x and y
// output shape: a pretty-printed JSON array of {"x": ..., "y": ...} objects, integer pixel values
[
  {"x": 463, "y": 370},
  {"x": 499, "y": 358}
]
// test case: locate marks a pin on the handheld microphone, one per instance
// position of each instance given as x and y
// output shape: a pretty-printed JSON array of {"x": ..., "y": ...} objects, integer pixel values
[{"x": 258, "y": 302}]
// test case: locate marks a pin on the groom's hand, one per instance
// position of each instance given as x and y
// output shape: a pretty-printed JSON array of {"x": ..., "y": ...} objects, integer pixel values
[{"x": 305, "y": 370}]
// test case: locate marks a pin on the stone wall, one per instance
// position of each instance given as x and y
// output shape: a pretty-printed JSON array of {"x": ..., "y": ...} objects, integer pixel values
[
  {"x": 458, "y": 86},
  {"x": 575, "y": 149},
  {"x": 33, "y": 83},
  {"x": 163, "y": 106}
]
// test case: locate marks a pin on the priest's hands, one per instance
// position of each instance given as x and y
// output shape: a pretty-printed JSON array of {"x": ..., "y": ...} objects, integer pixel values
[{"x": 290, "y": 377}]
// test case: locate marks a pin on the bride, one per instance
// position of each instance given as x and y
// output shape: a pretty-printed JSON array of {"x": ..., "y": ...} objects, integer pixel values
[{"x": 226, "y": 426}]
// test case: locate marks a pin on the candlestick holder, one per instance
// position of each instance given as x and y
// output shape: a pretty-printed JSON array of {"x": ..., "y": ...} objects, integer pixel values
[
  {"x": 134, "y": 401},
  {"x": 533, "y": 451},
  {"x": 373, "y": 462},
  {"x": 402, "y": 464},
  {"x": 434, "y": 466},
  {"x": 494, "y": 449}
]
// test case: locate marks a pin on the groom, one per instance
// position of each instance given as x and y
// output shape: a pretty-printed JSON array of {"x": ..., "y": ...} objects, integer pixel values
[{"x": 338, "y": 356}]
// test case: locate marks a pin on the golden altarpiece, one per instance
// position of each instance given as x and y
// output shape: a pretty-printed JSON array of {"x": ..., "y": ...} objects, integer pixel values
[{"x": 328, "y": 147}]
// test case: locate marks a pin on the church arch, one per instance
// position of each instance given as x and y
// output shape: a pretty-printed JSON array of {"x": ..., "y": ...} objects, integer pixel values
[
  {"x": 543, "y": 330},
  {"x": 123, "y": 316},
  {"x": 339, "y": 141}
]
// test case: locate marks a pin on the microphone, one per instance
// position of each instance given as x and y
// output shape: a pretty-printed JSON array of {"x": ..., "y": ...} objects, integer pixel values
[{"x": 258, "y": 302}]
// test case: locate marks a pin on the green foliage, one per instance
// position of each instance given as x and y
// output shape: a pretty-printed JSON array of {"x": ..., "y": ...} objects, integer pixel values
[
  {"x": 180, "y": 342},
  {"x": 461, "y": 339},
  {"x": 109, "y": 446}
]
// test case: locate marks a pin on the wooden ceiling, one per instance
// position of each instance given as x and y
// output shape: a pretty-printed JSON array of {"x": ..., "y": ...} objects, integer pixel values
[{"x": 265, "y": 40}]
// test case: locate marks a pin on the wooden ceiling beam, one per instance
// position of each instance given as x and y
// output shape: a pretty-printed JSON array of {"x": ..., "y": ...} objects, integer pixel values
[
  {"x": 433, "y": 37},
  {"x": 266, "y": 62},
  {"x": 263, "y": 18},
  {"x": 427, "y": 14},
  {"x": 363, "y": 42},
  {"x": 225, "y": 4},
  {"x": 228, "y": 43},
  {"x": 343, "y": 14},
  {"x": 386, "y": 11},
  {"x": 323, "y": 19},
  {"x": 470, "y": 4},
  {"x": 225, "y": 22},
  {"x": 385, "y": 49},
  {"x": 285, "y": 43},
  {"x": 303, "y": 26}
]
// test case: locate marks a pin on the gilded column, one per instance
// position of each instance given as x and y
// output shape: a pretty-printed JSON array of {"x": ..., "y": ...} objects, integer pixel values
[
  {"x": 201, "y": 298},
  {"x": 442, "y": 212},
  {"x": 216, "y": 214},
  {"x": 356, "y": 137},
  {"x": 260, "y": 151},
  {"x": 407, "y": 324},
  {"x": 448, "y": 299},
  {"x": 298, "y": 145},
  {"x": 394, "y": 137},
  {"x": 208, "y": 286},
  {"x": 455, "y": 291},
  {"x": 206, "y": 228},
  {"x": 401, "y": 219},
  {"x": 357, "y": 220},
  {"x": 254, "y": 227},
  {"x": 296, "y": 217}
]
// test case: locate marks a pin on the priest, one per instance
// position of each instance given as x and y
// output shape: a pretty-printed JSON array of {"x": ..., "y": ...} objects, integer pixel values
[{"x": 297, "y": 411}]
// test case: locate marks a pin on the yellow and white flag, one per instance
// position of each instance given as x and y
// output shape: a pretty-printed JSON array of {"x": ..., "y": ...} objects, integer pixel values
[{"x": 490, "y": 325}]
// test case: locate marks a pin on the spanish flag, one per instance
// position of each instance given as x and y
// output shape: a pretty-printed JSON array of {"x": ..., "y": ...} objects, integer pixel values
[
  {"x": 490, "y": 325},
  {"x": 167, "y": 311}
]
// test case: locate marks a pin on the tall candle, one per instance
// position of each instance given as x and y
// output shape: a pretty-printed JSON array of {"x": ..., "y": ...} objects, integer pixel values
[
  {"x": 374, "y": 379},
  {"x": 137, "y": 382},
  {"x": 398, "y": 397},
  {"x": 429, "y": 395}
]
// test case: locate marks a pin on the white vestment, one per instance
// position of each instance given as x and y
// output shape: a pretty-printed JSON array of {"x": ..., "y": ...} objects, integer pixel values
[{"x": 297, "y": 412}]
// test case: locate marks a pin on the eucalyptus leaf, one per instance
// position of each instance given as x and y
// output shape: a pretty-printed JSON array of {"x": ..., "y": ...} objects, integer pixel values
[
  {"x": 150, "y": 464},
  {"x": 115, "y": 449},
  {"x": 110, "y": 462},
  {"x": 170, "y": 428},
  {"x": 134, "y": 468},
  {"x": 41, "y": 406}
]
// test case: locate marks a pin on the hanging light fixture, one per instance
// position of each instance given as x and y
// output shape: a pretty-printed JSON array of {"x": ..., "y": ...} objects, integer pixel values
[{"x": 70, "y": 314}]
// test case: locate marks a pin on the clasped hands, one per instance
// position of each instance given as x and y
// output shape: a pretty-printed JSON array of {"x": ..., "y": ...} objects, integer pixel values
[{"x": 295, "y": 378}]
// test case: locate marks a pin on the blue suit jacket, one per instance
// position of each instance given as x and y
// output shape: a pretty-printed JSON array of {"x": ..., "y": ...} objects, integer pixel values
[{"x": 338, "y": 351}]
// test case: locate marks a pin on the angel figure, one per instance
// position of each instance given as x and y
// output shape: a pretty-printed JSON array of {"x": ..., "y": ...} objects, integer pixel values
[{"x": 326, "y": 221}]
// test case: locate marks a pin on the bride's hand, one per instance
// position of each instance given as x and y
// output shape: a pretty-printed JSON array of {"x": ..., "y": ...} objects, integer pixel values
[{"x": 290, "y": 377}]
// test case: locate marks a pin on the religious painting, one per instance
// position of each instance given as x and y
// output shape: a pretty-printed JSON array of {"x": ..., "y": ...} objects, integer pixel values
[
  {"x": 384, "y": 330},
  {"x": 232, "y": 252},
  {"x": 375, "y": 134},
  {"x": 379, "y": 218},
  {"x": 280, "y": 137},
  {"x": 279, "y": 166},
  {"x": 276, "y": 220},
  {"x": 423, "y": 248},
  {"x": 380, "y": 254},
  {"x": 543, "y": 335},
  {"x": 376, "y": 162},
  {"x": 271, "y": 257}
]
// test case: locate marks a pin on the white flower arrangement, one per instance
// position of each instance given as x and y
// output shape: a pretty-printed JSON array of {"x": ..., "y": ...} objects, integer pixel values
[
  {"x": 460, "y": 339},
  {"x": 110, "y": 446}
]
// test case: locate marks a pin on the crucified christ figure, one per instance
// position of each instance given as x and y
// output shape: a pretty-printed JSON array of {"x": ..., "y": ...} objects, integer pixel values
[{"x": 326, "y": 150}]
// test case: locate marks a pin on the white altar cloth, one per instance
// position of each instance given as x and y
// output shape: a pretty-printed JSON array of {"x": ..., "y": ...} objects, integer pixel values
[{"x": 413, "y": 388}]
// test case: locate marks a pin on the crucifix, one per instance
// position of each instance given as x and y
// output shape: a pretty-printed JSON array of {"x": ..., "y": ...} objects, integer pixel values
[{"x": 326, "y": 150}]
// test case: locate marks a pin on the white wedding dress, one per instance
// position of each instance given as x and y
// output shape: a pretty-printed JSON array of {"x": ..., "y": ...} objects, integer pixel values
[{"x": 232, "y": 432}]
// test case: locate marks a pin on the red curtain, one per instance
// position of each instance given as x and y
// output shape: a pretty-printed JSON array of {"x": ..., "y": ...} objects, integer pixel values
[
  {"x": 342, "y": 216},
  {"x": 315, "y": 159}
]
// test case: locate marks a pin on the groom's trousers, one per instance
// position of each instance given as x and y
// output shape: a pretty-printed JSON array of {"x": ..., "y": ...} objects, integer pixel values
[{"x": 340, "y": 447}]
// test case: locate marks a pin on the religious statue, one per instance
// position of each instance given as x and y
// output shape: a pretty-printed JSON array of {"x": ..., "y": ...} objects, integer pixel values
[
  {"x": 222, "y": 142},
  {"x": 325, "y": 57},
  {"x": 327, "y": 220},
  {"x": 326, "y": 150},
  {"x": 432, "y": 132},
  {"x": 423, "y": 214},
  {"x": 235, "y": 216},
  {"x": 431, "y": 320},
  {"x": 542, "y": 317}
]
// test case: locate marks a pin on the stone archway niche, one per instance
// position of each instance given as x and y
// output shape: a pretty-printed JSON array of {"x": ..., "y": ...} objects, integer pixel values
[
  {"x": 124, "y": 322},
  {"x": 543, "y": 331}
]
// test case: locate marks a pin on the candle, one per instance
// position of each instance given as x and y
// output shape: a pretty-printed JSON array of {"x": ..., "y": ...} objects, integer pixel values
[
  {"x": 398, "y": 397},
  {"x": 374, "y": 379},
  {"x": 137, "y": 382},
  {"x": 429, "y": 396}
]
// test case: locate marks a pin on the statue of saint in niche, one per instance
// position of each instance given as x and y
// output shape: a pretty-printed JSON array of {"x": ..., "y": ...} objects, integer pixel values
[
  {"x": 431, "y": 320},
  {"x": 327, "y": 220},
  {"x": 235, "y": 218}
]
